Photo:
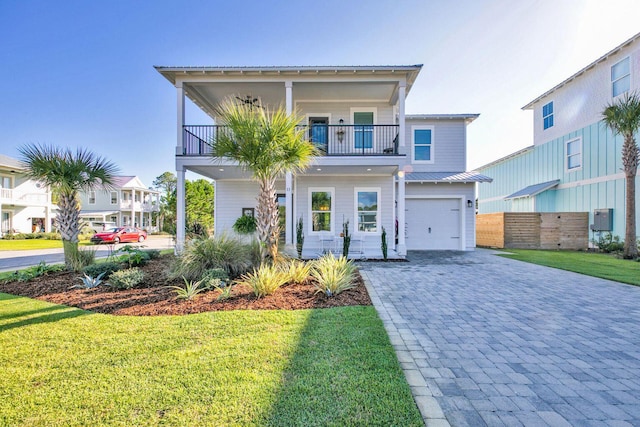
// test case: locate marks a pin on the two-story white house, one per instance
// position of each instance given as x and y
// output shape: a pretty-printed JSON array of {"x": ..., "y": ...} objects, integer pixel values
[
  {"x": 128, "y": 203},
  {"x": 379, "y": 167},
  {"x": 575, "y": 163},
  {"x": 25, "y": 205}
]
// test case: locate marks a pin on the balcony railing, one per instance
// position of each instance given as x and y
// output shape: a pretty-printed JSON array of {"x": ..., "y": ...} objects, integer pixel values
[
  {"x": 330, "y": 140},
  {"x": 8, "y": 195}
]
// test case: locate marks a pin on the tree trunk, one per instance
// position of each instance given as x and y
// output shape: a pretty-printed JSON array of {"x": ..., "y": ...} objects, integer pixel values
[
  {"x": 68, "y": 222},
  {"x": 630, "y": 163},
  {"x": 267, "y": 218}
]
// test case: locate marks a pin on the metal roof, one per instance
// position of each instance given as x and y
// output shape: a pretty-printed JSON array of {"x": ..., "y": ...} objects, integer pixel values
[
  {"x": 507, "y": 157},
  {"x": 584, "y": 70},
  {"x": 10, "y": 162},
  {"x": 446, "y": 177},
  {"x": 469, "y": 117},
  {"x": 533, "y": 190}
]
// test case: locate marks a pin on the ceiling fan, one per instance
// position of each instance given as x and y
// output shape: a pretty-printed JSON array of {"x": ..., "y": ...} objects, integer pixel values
[{"x": 249, "y": 100}]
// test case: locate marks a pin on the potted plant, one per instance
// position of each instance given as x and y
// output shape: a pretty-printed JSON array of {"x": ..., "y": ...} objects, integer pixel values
[
  {"x": 246, "y": 224},
  {"x": 346, "y": 239}
]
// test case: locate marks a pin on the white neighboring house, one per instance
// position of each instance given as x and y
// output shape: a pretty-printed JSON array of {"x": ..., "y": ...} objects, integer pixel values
[
  {"x": 25, "y": 205},
  {"x": 130, "y": 203},
  {"x": 378, "y": 167}
]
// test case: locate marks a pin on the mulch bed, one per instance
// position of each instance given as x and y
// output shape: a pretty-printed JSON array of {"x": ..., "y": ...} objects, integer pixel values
[{"x": 152, "y": 298}]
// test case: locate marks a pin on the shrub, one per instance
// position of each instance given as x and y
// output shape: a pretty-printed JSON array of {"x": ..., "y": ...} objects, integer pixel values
[
  {"x": 297, "y": 271},
  {"x": 80, "y": 258},
  {"x": 299, "y": 236},
  {"x": 246, "y": 224},
  {"x": 190, "y": 289},
  {"x": 152, "y": 253},
  {"x": 346, "y": 239},
  {"x": 265, "y": 280},
  {"x": 609, "y": 243},
  {"x": 383, "y": 243},
  {"x": 333, "y": 275},
  {"x": 106, "y": 268},
  {"x": 225, "y": 292},
  {"x": 214, "y": 277},
  {"x": 41, "y": 269},
  {"x": 229, "y": 254},
  {"x": 133, "y": 256},
  {"x": 126, "y": 279}
]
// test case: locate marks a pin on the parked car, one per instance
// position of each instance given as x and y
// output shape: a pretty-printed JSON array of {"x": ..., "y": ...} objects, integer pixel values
[
  {"x": 120, "y": 235},
  {"x": 100, "y": 226}
]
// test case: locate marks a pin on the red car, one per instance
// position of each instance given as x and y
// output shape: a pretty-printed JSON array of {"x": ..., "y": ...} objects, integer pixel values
[{"x": 120, "y": 235}]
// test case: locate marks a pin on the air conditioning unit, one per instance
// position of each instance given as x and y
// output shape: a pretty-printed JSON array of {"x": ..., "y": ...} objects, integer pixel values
[{"x": 602, "y": 220}]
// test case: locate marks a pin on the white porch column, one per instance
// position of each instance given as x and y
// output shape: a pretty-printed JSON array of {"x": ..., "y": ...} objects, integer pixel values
[
  {"x": 401, "y": 115},
  {"x": 402, "y": 247},
  {"x": 180, "y": 144},
  {"x": 288, "y": 233},
  {"x": 180, "y": 214}
]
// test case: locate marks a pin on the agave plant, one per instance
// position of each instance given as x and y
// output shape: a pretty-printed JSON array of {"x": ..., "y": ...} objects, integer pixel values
[
  {"x": 190, "y": 289},
  {"x": 89, "y": 282}
]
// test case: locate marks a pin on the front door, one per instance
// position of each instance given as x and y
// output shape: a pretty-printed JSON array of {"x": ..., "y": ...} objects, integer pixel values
[{"x": 319, "y": 132}]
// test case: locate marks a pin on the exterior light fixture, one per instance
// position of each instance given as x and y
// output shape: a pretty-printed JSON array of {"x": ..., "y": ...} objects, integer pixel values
[{"x": 469, "y": 204}]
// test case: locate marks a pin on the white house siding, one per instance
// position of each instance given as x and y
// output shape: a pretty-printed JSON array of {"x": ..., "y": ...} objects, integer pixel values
[
  {"x": 581, "y": 101},
  {"x": 449, "y": 139},
  {"x": 344, "y": 208},
  {"x": 458, "y": 191},
  {"x": 25, "y": 200},
  {"x": 342, "y": 110}
]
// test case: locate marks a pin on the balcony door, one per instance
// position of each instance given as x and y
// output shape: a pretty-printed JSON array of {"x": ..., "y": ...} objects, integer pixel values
[
  {"x": 363, "y": 130},
  {"x": 319, "y": 132}
]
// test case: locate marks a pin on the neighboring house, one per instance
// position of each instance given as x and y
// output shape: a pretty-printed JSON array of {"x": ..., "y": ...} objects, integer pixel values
[
  {"x": 25, "y": 205},
  {"x": 575, "y": 163},
  {"x": 129, "y": 202},
  {"x": 378, "y": 166}
]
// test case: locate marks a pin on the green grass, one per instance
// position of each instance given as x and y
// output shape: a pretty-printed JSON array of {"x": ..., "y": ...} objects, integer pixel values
[
  {"x": 67, "y": 367},
  {"x": 605, "y": 266},
  {"x": 25, "y": 245}
]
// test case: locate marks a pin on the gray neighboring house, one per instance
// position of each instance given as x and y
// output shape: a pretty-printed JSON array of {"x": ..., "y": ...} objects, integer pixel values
[{"x": 130, "y": 203}]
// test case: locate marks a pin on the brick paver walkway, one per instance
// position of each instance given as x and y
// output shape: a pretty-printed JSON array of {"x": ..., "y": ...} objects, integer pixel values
[{"x": 485, "y": 340}]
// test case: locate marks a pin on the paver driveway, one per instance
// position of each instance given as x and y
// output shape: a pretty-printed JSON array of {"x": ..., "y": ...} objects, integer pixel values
[{"x": 485, "y": 340}]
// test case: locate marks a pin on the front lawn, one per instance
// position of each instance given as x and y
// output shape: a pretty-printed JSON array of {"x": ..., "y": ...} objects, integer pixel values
[
  {"x": 29, "y": 244},
  {"x": 605, "y": 266},
  {"x": 65, "y": 366}
]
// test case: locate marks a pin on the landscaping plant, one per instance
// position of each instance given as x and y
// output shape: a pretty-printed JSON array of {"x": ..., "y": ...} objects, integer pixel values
[
  {"x": 346, "y": 239},
  {"x": 246, "y": 224},
  {"x": 89, "y": 282},
  {"x": 106, "y": 268},
  {"x": 333, "y": 275},
  {"x": 297, "y": 271},
  {"x": 299, "y": 236},
  {"x": 383, "y": 244},
  {"x": 265, "y": 280},
  {"x": 190, "y": 289},
  {"x": 126, "y": 279}
]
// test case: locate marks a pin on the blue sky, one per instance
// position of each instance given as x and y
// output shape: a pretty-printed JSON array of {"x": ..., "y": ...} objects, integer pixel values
[{"x": 80, "y": 73}]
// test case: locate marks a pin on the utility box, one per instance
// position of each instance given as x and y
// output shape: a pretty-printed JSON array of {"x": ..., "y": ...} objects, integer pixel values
[{"x": 602, "y": 220}]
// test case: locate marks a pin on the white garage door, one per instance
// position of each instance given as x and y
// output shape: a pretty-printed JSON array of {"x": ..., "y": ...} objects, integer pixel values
[{"x": 433, "y": 224}]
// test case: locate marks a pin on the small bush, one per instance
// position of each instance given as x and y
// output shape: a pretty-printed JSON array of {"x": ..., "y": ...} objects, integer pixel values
[
  {"x": 246, "y": 224},
  {"x": 189, "y": 291},
  {"x": 133, "y": 256},
  {"x": 126, "y": 279},
  {"x": 41, "y": 269},
  {"x": 152, "y": 253},
  {"x": 297, "y": 271},
  {"x": 333, "y": 275},
  {"x": 80, "y": 258},
  {"x": 200, "y": 255},
  {"x": 609, "y": 243},
  {"x": 107, "y": 268},
  {"x": 214, "y": 277},
  {"x": 225, "y": 292},
  {"x": 265, "y": 280}
]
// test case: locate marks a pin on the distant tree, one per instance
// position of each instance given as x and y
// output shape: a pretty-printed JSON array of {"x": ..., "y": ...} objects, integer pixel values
[
  {"x": 199, "y": 203},
  {"x": 67, "y": 173},
  {"x": 268, "y": 144},
  {"x": 167, "y": 184},
  {"x": 623, "y": 118}
]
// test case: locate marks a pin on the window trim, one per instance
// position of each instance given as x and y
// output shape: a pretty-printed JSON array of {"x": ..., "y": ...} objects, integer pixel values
[
  {"x": 548, "y": 116},
  {"x": 413, "y": 144},
  {"x": 620, "y": 78},
  {"x": 91, "y": 192},
  {"x": 332, "y": 210},
  {"x": 111, "y": 196},
  {"x": 352, "y": 112},
  {"x": 356, "y": 224},
  {"x": 566, "y": 154}
]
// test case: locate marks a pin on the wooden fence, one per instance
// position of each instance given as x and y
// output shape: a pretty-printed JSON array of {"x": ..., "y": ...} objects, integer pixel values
[{"x": 535, "y": 230}]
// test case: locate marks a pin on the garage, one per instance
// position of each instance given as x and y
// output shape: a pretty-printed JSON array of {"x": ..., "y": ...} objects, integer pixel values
[{"x": 433, "y": 224}]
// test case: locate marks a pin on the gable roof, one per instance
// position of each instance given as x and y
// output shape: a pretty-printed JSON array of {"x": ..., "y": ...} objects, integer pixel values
[
  {"x": 584, "y": 70},
  {"x": 10, "y": 162},
  {"x": 446, "y": 177},
  {"x": 468, "y": 117},
  {"x": 533, "y": 190}
]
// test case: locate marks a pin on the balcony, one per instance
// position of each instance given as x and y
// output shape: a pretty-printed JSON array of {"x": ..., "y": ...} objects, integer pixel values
[
  {"x": 330, "y": 140},
  {"x": 10, "y": 196}
]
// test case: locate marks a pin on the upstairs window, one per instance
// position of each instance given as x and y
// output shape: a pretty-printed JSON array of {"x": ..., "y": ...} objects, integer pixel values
[
  {"x": 574, "y": 154},
  {"x": 114, "y": 197},
  {"x": 547, "y": 115},
  {"x": 620, "y": 77},
  {"x": 92, "y": 197},
  {"x": 422, "y": 138}
]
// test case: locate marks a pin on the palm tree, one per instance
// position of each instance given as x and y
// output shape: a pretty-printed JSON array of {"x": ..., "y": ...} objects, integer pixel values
[
  {"x": 623, "y": 118},
  {"x": 268, "y": 143},
  {"x": 66, "y": 173}
]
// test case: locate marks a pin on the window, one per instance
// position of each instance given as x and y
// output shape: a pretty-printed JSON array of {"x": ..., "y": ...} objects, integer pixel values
[
  {"x": 620, "y": 77},
  {"x": 547, "y": 115},
  {"x": 321, "y": 201},
  {"x": 114, "y": 219},
  {"x": 92, "y": 197},
  {"x": 114, "y": 197},
  {"x": 5, "y": 182},
  {"x": 574, "y": 154},
  {"x": 367, "y": 210},
  {"x": 136, "y": 197},
  {"x": 422, "y": 139}
]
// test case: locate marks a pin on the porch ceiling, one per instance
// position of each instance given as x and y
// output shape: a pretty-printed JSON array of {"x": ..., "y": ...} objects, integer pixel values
[{"x": 207, "y": 95}]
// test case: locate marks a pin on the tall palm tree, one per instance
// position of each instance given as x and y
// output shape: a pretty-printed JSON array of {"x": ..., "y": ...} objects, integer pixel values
[
  {"x": 268, "y": 143},
  {"x": 66, "y": 173},
  {"x": 623, "y": 118}
]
